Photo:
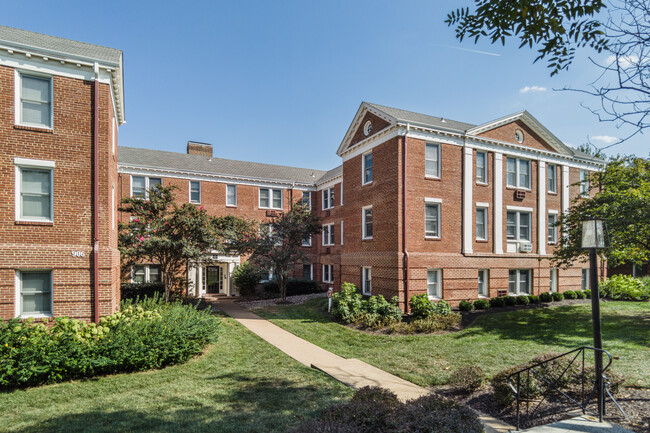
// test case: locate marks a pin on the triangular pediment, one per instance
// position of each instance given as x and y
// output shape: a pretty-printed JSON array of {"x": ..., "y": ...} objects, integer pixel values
[{"x": 368, "y": 121}]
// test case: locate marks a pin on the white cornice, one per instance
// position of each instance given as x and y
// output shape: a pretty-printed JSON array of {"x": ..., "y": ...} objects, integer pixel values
[
  {"x": 330, "y": 182},
  {"x": 356, "y": 123}
]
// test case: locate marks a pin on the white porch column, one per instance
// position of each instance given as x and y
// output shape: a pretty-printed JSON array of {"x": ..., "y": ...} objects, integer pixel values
[
  {"x": 468, "y": 182},
  {"x": 565, "y": 194},
  {"x": 541, "y": 208},
  {"x": 191, "y": 279},
  {"x": 199, "y": 280},
  {"x": 498, "y": 203}
]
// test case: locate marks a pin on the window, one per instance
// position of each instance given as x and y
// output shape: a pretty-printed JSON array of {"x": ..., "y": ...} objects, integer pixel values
[
  {"x": 328, "y": 234},
  {"x": 585, "y": 279},
  {"x": 552, "y": 178},
  {"x": 584, "y": 183},
  {"x": 35, "y": 289},
  {"x": 518, "y": 173},
  {"x": 328, "y": 198},
  {"x": 434, "y": 289},
  {"x": 552, "y": 229},
  {"x": 306, "y": 242},
  {"x": 553, "y": 280},
  {"x": 366, "y": 280},
  {"x": 146, "y": 274},
  {"x": 432, "y": 160},
  {"x": 35, "y": 101},
  {"x": 307, "y": 272},
  {"x": 231, "y": 195},
  {"x": 341, "y": 232},
  {"x": 483, "y": 278},
  {"x": 481, "y": 224},
  {"x": 270, "y": 198},
  {"x": 367, "y": 168},
  {"x": 34, "y": 190},
  {"x": 367, "y": 222},
  {"x": 481, "y": 167},
  {"x": 518, "y": 226},
  {"x": 432, "y": 220},
  {"x": 328, "y": 273},
  {"x": 519, "y": 281},
  {"x": 306, "y": 199},
  {"x": 141, "y": 185},
  {"x": 195, "y": 191}
]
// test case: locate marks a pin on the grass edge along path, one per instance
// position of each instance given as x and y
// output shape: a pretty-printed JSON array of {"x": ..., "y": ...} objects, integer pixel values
[
  {"x": 239, "y": 384},
  {"x": 494, "y": 341}
]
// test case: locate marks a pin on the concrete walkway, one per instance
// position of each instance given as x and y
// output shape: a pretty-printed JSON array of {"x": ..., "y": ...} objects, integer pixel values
[{"x": 582, "y": 424}]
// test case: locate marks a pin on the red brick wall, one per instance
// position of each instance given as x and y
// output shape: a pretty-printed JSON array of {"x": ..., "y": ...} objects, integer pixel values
[
  {"x": 377, "y": 125},
  {"x": 507, "y": 133}
]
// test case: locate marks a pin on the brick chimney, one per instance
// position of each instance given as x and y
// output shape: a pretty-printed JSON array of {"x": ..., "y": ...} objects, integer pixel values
[{"x": 197, "y": 148}]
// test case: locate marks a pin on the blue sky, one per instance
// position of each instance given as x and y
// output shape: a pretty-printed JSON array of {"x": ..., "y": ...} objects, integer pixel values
[{"x": 280, "y": 82}]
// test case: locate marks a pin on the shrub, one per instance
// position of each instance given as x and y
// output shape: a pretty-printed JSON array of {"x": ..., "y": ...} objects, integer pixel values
[
  {"x": 546, "y": 297},
  {"x": 557, "y": 296},
  {"x": 246, "y": 277},
  {"x": 373, "y": 410},
  {"x": 482, "y": 304},
  {"x": 587, "y": 293},
  {"x": 534, "y": 299},
  {"x": 497, "y": 302},
  {"x": 134, "y": 291},
  {"x": 570, "y": 294},
  {"x": 350, "y": 307},
  {"x": 468, "y": 379},
  {"x": 580, "y": 294},
  {"x": 510, "y": 301},
  {"x": 295, "y": 287},
  {"x": 346, "y": 304},
  {"x": 523, "y": 300},
  {"x": 433, "y": 323},
  {"x": 465, "y": 306},
  {"x": 624, "y": 288},
  {"x": 422, "y": 307}
]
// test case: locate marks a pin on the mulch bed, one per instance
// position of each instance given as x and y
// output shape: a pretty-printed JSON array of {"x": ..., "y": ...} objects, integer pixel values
[{"x": 634, "y": 401}]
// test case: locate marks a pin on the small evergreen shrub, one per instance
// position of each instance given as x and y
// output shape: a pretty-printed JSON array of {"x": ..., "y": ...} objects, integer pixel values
[
  {"x": 546, "y": 297},
  {"x": 497, "y": 302},
  {"x": 509, "y": 301},
  {"x": 624, "y": 288},
  {"x": 557, "y": 296},
  {"x": 523, "y": 300},
  {"x": 587, "y": 293},
  {"x": 374, "y": 312},
  {"x": 422, "y": 307},
  {"x": 346, "y": 304},
  {"x": 465, "y": 306},
  {"x": 246, "y": 277},
  {"x": 468, "y": 379},
  {"x": 482, "y": 304},
  {"x": 134, "y": 291},
  {"x": 570, "y": 294},
  {"x": 295, "y": 286},
  {"x": 534, "y": 299},
  {"x": 580, "y": 294}
]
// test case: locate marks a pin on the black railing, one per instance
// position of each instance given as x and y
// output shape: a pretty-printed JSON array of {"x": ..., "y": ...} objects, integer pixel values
[{"x": 562, "y": 377}]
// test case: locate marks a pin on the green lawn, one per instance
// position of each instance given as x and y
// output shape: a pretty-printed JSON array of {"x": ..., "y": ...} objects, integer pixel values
[
  {"x": 241, "y": 384},
  {"x": 494, "y": 342}
]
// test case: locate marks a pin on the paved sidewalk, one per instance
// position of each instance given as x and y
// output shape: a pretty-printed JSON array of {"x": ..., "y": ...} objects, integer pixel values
[{"x": 582, "y": 424}]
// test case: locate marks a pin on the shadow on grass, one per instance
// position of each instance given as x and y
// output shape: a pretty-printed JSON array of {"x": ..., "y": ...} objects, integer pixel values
[{"x": 313, "y": 311}]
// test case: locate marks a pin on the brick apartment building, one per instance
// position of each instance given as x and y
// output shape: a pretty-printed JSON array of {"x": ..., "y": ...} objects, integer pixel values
[
  {"x": 61, "y": 102},
  {"x": 420, "y": 204}
]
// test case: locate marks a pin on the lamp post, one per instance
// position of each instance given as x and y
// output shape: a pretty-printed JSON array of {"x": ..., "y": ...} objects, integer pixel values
[{"x": 593, "y": 238}]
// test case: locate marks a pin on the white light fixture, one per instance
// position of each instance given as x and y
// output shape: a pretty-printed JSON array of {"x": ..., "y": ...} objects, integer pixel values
[{"x": 593, "y": 234}]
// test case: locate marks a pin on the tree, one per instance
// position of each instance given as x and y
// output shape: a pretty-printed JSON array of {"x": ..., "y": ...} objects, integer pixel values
[
  {"x": 620, "y": 28},
  {"x": 622, "y": 200},
  {"x": 278, "y": 243}
]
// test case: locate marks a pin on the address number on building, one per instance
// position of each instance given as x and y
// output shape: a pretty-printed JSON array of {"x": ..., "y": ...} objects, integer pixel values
[{"x": 78, "y": 254}]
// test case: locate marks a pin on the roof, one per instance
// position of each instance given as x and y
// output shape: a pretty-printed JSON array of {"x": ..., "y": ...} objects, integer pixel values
[
  {"x": 196, "y": 164},
  {"x": 61, "y": 45},
  {"x": 422, "y": 119},
  {"x": 332, "y": 174}
]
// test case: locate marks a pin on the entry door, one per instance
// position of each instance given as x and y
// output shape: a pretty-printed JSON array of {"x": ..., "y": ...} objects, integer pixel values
[{"x": 214, "y": 279}]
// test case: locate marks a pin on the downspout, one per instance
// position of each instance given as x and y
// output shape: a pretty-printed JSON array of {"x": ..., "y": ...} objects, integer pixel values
[
  {"x": 407, "y": 265},
  {"x": 95, "y": 192}
]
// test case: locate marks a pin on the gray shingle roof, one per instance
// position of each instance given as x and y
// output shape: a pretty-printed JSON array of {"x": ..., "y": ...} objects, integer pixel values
[
  {"x": 61, "y": 45},
  {"x": 422, "y": 119},
  {"x": 147, "y": 158},
  {"x": 332, "y": 174}
]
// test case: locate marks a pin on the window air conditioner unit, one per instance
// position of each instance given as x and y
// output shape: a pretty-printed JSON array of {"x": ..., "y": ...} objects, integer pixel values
[{"x": 526, "y": 247}]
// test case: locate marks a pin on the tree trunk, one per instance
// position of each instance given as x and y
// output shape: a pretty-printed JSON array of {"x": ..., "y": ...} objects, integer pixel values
[
  {"x": 166, "y": 285},
  {"x": 282, "y": 282}
]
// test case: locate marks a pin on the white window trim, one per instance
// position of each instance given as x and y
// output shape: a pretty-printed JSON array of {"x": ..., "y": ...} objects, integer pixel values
[
  {"x": 19, "y": 298},
  {"x": 341, "y": 232},
  {"x": 366, "y": 290},
  {"x": 311, "y": 270},
  {"x": 326, "y": 203},
  {"x": 555, "y": 229},
  {"x": 341, "y": 194},
  {"x": 520, "y": 209},
  {"x": 553, "y": 282},
  {"x": 363, "y": 169},
  {"x": 308, "y": 243},
  {"x": 481, "y": 204},
  {"x": 518, "y": 225},
  {"x": 327, "y": 238},
  {"x": 585, "y": 182},
  {"x": 429, "y": 200},
  {"x": 259, "y": 198},
  {"x": 430, "y": 176},
  {"x": 486, "y": 282},
  {"x": 438, "y": 283},
  {"x": 585, "y": 284},
  {"x": 146, "y": 184},
  {"x": 331, "y": 274},
  {"x": 147, "y": 273},
  {"x": 200, "y": 192},
  {"x": 229, "y": 204},
  {"x": 308, "y": 198},
  {"x": 18, "y": 86},
  {"x": 485, "y": 159},
  {"x": 363, "y": 222},
  {"x": 21, "y": 163},
  {"x": 113, "y": 207},
  {"x": 518, "y": 281},
  {"x": 555, "y": 170},
  {"x": 437, "y": 202},
  {"x": 485, "y": 223},
  {"x": 517, "y": 178}
]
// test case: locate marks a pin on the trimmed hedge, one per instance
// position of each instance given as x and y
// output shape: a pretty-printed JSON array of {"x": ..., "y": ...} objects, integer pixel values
[
  {"x": 482, "y": 304},
  {"x": 534, "y": 299},
  {"x": 580, "y": 294},
  {"x": 295, "y": 286},
  {"x": 570, "y": 294},
  {"x": 523, "y": 300},
  {"x": 465, "y": 306},
  {"x": 546, "y": 297},
  {"x": 497, "y": 302},
  {"x": 557, "y": 296},
  {"x": 133, "y": 291}
]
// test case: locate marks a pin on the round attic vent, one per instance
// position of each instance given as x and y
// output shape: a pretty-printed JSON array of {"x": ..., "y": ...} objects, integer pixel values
[
  {"x": 519, "y": 136},
  {"x": 367, "y": 128}
]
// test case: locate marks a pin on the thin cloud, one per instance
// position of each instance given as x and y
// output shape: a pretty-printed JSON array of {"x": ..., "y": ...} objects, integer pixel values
[
  {"x": 528, "y": 89},
  {"x": 623, "y": 61},
  {"x": 607, "y": 139},
  {"x": 486, "y": 53}
]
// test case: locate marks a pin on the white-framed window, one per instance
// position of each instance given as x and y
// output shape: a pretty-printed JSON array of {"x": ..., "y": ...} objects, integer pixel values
[
  {"x": 584, "y": 183},
  {"x": 341, "y": 232},
  {"x": 366, "y": 215},
  {"x": 366, "y": 162},
  {"x": 195, "y": 191},
  {"x": 552, "y": 178},
  {"x": 328, "y": 273},
  {"x": 306, "y": 242},
  {"x": 270, "y": 198},
  {"x": 308, "y": 271},
  {"x": 341, "y": 194},
  {"x": 306, "y": 198},
  {"x": 328, "y": 198},
  {"x": 481, "y": 224},
  {"x": 585, "y": 279},
  {"x": 231, "y": 195},
  {"x": 552, "y": 287},
  {"x": 434, "y": 283},
  {"x": 518, "y": 226},
  {"x": 34, "y": 293},
  {"x": 113, "y": 207},
  {"x": 34, "y": 100},
  {"x": 146, "y": 274},
  {"x": 34, "y": 190},
  {"x": 519, "y": 281},
  {"x": 481, "y": 167},
  {"x": 432, "y": 220},
  {"x": 140, "y": 185},
  {"x": 483, "y": 282},
  {"x": 432, "y": 160},
  {"x": 366, "y": 280},
  {"x": 328, "y": 235},
  {"x": 552, "y": 228},
  {"x": 518, "y": 173}
]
